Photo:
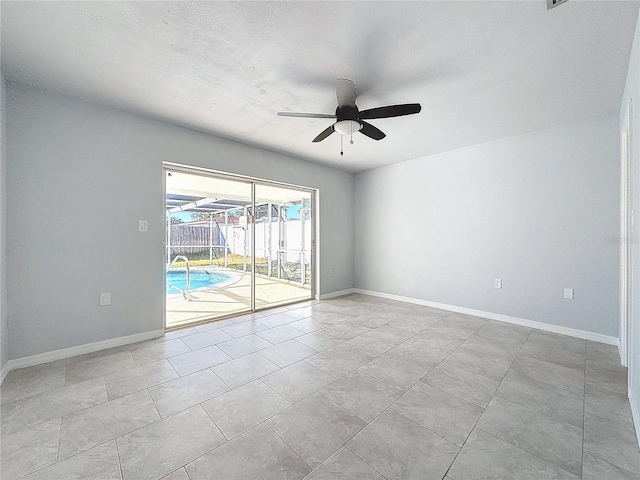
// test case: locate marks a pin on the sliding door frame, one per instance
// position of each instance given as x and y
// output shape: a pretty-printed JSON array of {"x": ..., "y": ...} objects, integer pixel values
[{"x": 253, "y": 181}]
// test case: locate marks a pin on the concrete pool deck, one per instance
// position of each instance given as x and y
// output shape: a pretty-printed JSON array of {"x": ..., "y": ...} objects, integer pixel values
[{"x": 231, "y": 297}]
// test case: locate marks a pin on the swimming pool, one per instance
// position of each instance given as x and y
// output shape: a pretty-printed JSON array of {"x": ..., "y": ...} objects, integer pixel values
[{"x": 198, "y": 278}]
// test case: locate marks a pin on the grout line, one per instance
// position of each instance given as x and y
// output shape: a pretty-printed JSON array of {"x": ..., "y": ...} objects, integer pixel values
[{"x": 118, "y": 455}]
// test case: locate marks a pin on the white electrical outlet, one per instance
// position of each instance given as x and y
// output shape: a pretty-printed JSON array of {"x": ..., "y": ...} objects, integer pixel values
[
  {"x": 497, "y": 283},
  {"x": 142, "y": 225},
  {"x": 105, "y": 298},
  {"x": 568, "y": 293}
]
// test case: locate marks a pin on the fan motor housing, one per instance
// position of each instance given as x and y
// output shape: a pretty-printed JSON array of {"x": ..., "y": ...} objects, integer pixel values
[{"x": 348, "y": 113}]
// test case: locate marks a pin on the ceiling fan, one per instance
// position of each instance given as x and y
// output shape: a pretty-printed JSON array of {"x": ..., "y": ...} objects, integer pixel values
[{"x": 349, "y": 119}]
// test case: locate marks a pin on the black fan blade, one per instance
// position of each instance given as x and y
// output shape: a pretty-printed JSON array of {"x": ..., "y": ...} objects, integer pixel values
[
  {"x": 371, "y": 131},
  {"x": 324, "y": 134},
  {"x": 391, "y": 111},
  {"x": 306, "y": 115},
  {"x": 345, "y": 92}
]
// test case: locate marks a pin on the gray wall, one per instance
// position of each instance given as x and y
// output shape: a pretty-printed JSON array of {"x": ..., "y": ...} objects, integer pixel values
[
  {"x": 537, "y": 210},
  {"x": 632, "y": 90},
  {"x": 4, "y": 331},
  {"x": 80, "y": 176}
]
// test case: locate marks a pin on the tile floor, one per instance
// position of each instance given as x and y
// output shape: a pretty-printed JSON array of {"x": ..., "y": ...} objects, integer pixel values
[{"x": 350, "y": 388}]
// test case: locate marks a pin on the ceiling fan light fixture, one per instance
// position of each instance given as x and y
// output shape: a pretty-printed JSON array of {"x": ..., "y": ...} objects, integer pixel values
[{"x": 347, "y": 127}]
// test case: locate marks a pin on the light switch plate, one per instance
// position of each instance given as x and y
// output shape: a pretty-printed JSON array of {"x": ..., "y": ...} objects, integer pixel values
[
  {"x": 142, "y": 225},
  {"x": 568, "y": 293},
  {"x": 105, "y": 298}
]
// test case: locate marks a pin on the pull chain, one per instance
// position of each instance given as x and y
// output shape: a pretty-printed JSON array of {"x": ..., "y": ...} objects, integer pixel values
[{"x": 341, "y": 152}]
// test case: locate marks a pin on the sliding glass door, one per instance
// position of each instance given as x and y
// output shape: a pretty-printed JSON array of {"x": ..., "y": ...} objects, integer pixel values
[
  {"x": 234, "y": 245},
  {"x": 283, "y": 239}
]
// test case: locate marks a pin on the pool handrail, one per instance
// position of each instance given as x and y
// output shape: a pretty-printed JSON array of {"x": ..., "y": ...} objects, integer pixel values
[{"x": 186, "y": 294}]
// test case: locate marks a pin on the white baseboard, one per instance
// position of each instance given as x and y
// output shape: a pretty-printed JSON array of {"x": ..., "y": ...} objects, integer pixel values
[
  {"x": 78, "y": 350},
  {"x": 339, "y": 293},
  {"x": 635, "y": 414},
  {"x": 572, "y": 332},
  {"x": 4, "y": 371}
]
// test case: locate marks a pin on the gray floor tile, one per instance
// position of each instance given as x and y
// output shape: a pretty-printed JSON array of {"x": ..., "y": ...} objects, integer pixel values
[
  {"x": 413, "y": 324},
  {"x": 298, "y": 381},
  {"x": 215, "y": 324},
  {"x": 315, "y": 428},
  {"x": 558, "y": 342},
  {"x": 505, "y": 332},
  {"x": 571, "y": 379},
  {"x": 244, "y": 369},
  {"x": 594, "y": 468},
  {"x": 287, "y": 353},
  {"x": 367, "y": 346},
  {"x": 399, "y": 448},
  {"x": 444, "y": 414},
  {"x": 280, "y": 334},
  {"x": 197, "y": 360},
  {"x": 345, "y": 330},
  {"x": 244, "y": 345},
  {"x": 488, "y": 366},
  {"x": 462, "y": 320},
  {"x": 468, "y": 386},
  {"x": 372, "y": 320},
  {"x": 98, "y": 367},
  {"x": 275, "y": 320},
  {"x": 206, "y": 339},
  {"x": 30, "y": 450},
  {"x": 443, "y": 341},
  {"x": 344, "y": 465},
  {"x": 152, "y": 352},
  {"x": 244, "y": 407},
  {"x": 490, "y": 346},
  {"x": 393, "y": 334},
  {"x": 553, "y": 354},
  {"x": 336, "y": 362},
  {"x": 414, "y": 350},
  {"x": 607, "y": 376},
  {"x": 308, "y": 325},
  {"x": 25, "y": 382},
  {"x": 612, "y": 442},
  {"x": 100, "y": 462},
  {"x": 164, "y": 446},
  {"x": 135, "y": 379},
  {"x": 300, "y": 313},
  {"x": 361, "y": 395},
  {"x": 180, "y": 474},
  {"x": 485, "y": 457},
  {"x": 443, "y": 327},
  {"x": 183, "y": 392},
  {"x": 29, "y": 411},
  {"x": 541, "y": 435},
  {"x": 245, "y": 328},
  {"x": 603, "y": 354},
  {"x": 319, "y": 340},
  {"x": 556, "y": 402},
  {"x": 607, "y": 404},
  {"x": 88, "y": 428},
  {"x": 395, "y": 372},
  {"x": 258, "y": 453}
]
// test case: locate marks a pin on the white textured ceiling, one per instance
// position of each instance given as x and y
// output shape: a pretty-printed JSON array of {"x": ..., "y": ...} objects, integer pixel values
[{"x": 481, "y": 70}]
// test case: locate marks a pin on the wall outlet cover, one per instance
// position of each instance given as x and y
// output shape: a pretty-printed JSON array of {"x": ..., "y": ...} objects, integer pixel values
[
  {"x": 568, "y": 293},
  {"x": 497, "y": 283}
]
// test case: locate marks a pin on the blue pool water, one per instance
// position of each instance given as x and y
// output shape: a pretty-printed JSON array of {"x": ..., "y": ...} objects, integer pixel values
[{"x": 198, "y": 278}]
